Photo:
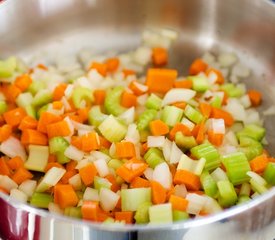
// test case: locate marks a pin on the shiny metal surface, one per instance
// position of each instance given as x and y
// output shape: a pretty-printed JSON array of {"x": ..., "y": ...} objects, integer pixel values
[{"x": 52, "y": 27}]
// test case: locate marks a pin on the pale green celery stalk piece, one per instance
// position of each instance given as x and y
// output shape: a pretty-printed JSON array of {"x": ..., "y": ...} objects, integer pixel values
[
  {"x": 171, "y": 115},
  {"x": 153, "y": 102},
  {"x": 256, "y": 187},
  {"x": 30, "y": 111},
  {"x": 112, "y": 101},
  {"x": 216, "y": 102},
  {"x": 3, "y": 107},
  {"x": 185, "y": 142},
  {"x": 41, "y": 200},
  {"x": 193, "y": 114},
  {"x": 24, "y": 99},
  {"x": 209, "y": 185},
  {"x": 142, "y": 213},
  {"x": 36, "y": 86},
  {"x": 232, "y": 91},
  {"x": 57, "y": 146},
  {"x": 82, "y": 94},
  {"x": 131, "y": 199},
  {"x": 100, "y": 182},
  {"x": 161, "y": 213},
  {"x": 115, "y": 164},
  {"x": 73, "y": 212},
  {"x": 145, "y": 118},
  {"x": 153, "y": 157},
  {"x": 38, "y": 158},
  {"x": 269, "y": 173},
  {"x": 42, "y": 97},
  {"x": 253, "y": 131},
  {"x": 200, "y": 83},
  {"x": 180, "y": 216},
  {"x": 95, "y": 116},
  {"x": 243, "y": 199},
  {"x": 7, "y": 67},
  {"x": 227, "y": 194}
]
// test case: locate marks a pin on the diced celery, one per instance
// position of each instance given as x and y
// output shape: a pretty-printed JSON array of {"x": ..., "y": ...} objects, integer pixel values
[
  {"x": 38, "y": 158},
  {"x": 41, "y": 110},
  {"x": 216, "y": 102},
  {"x": 42, "y": 97},
  {"x": 3, "y": 107},
  {"x": 7, "y": 67},
  {"x": 144, "y": 135},
  {"x": 100, "y": 182},
  {"x": 131, "y": 199},
  {"x": 80, "y": 94},
  {"x": 73, "y": 212},
  {"x": 269, "y": 173},
  {"x": 145, "y": 118},
  {"x": 153, "y": 102},
  {"x": 24, "y": 99},
  {"x": 200, "y": 83},
  {"x": 245, "y": 189},
  {"x": 57, "y": 146},
  {"x": 252, "y": 151},
  {"x": 180, "y": 216},
  {"x": 253, "y": 131},
  {"x": 237, "y": 166},
  {"x": 109, "y": 220},
  {"x": 171, "y": 115},
  {"x": 112, "y": 101},
  {"x": 153, "y": 157},
  {"x": 192, "y": 114},
  {"x": 257, "y": 187},
  {"x": 161, "y": 213},
  {"x": 227, "y": 194},
  {"x": 41, "y": 200},
  {"x": 232, "y": 91},
  {"x": 114, "y": 164},
  {"x": 243, "y": 199},
  {"x": 36, "y": 86},
  {"x": 95, "y": 116},
  {"x": 112, "y": 129},
  {"x": 209, "y": 152},
  {"x": 185, "y": 142},
  {"x": 142, "y": 213},
  {"x": 209, "y": 185}
]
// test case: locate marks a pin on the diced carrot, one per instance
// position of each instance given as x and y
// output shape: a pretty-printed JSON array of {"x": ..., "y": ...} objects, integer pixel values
[
  {"x": 4, "y": 190},
  {"x": 45, "y": 119},
  {"x": 255, "y": 97},
  {"x": 71, "y": 165},
  {"x": 65, "y": 196},
  {"x": 226, "y": 116},
  {"x": 28, "y": 122},
  {"x": 140, "y": 182},
  {"x": 57, "y": 105},
  {"x": 215, "y": 138},
  {"x": 23, "y": 82},
  {"x": 258, "y": 164},
  {"x": 65, "y": 178},
  {"x": 52, "y": 158},
  {"x": 173, "y": 169},
  {"x": 104, "y": 143},
  {"x": 112, "y": 64},
  {"x": 219, "y": 79},
  {"x": 131, "y": 169},
  {"x": 88, "y": 173},
  {"x": 59, "y": 91},
  {"x": 170, "y": 192},
  {"x": 145, "y": 147},
  {"x": 11, "y": 92},
  {"x": 180, "y": 105},
  {"x": 100, "y": 67},
  {"x": 51, "y": 165},
  {"x": 30, "y": 136},
  {"x": 91, "y": 211},
  {"x": 179, "y": 127},
  {"x": 83, "y": 114},
  {"x": 125, "y": 149},
  {"x": 21, "y": 175},
  {"x": 183, "y": 84},
  {"x": 128, "y": 72},
  {"x": 115, "y": 187},
  {"x": 178, "y": 203},
  {"x": 160, "y": 80},
  {"x": 128, "y": 99},
  {"x": 158, "y": 193},
  {"x": 158, "y": 128},
  {"x": 99, "y": 95},
  {"x": 60, "y": 128},
  {"x": 15, "y": 116},
  {"x": 137, "y": 88},
  {"x": 225, "y": 98},
  {"x": 5, "y": 132},
  {"x": 42, "y": 66},
  {"x": 205, "y": 109},
  {"x": 76, "y": 141},
  {"x": 189, "y": 179},
  {"x": 90, "y": 142},
  {"x": 4, "y": 168},
  {"x": 118, "y": 205},
  {"x": 159, "y": 56},
  {"x": 15, "y": 163},
  {"x": 2, "y": 120},
  {"x": 200, "y": 135},
  {"x": 127, "y": 217},
  {"x": 197, "y": 66}
]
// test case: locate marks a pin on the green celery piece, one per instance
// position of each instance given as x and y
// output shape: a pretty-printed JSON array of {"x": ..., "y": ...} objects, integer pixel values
[
  {"x": 42, "y": 97},
  {"x": 24, "y": 99},
  {"x": 209, "y": 185},
  {"x": 250, "y": 147},
  {"x": 41, "y": 200},
  {"x": 193, "y": 114},
  {"x": 95, "y": 116},
  {"x": 237, "y": 166},
  {"x": 100, "y": 182},
  {"x": 171, "y": 115},
  {"x": 269, "y": 173},
  {"x": 216, "y": 102},
  {"x": 161, "y": 213},
  {"x": 36, "y": 86},
  {"x": 73, "y": 212},
  {"x": 41, "y": 110},
  {"x": 3, "y": 107},
  {"x": 243, "y": 199},
  {"x": 112, "y": 101},
  {"x": 38, "y": 158},
  {"x": 256, "y": 187},
  {"x": 81, "y": 93},
  {"x": 232, "y": 91},
  {"x": 7, "y": 67},
  {"x": 245, "y": 189},
  {"x": 142, "y": 213},
  {"x": 253, "y": 131},
  {"x": 30, "y": 111},
  {"x": 112, "y": 129},
  {"x": 144, "y": 135},
  {"x": 57, "y": 146},
  {"x": 227, "y": 193},
  {"x": 153, "y": 102},
  {"x": 131, "y": 199},
  {"x": 153, "y": 157},
  {"x": 145, "y": 118},
  {"x": 180, "y": 216},
  {"x": 185, "y": 142},
  {"x": 109, "y": 220},
  {"x": 200, "y": 83},
  {"x": 115, "y": 164},
  {"x": 210, "y": 153}
]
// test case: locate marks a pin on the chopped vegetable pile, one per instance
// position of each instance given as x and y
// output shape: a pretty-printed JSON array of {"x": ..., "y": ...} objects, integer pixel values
[{"x": 96, "y": 140}]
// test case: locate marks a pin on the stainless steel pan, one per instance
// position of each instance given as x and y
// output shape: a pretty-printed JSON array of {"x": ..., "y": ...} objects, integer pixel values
[{"x": 246, "y": 27}]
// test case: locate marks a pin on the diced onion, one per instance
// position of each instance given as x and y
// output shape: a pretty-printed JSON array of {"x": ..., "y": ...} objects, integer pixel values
[
  {"x": 108, "y": 199},
  {"x": 163, "y": 175},
  {"x": 12, "y": 147},
  {"x": 19, "y": 195},
  {"x": 155, "y": 141},
  {"x": 91, "y": 194},
  {"x": 101, "y": 167},
  {"x": 178, "y": 95},
  {"x": 74, "y": 153}
]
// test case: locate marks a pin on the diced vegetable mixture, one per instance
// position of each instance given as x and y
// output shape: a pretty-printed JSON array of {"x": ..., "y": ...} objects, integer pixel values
[{"x": 98, "y": 139}]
